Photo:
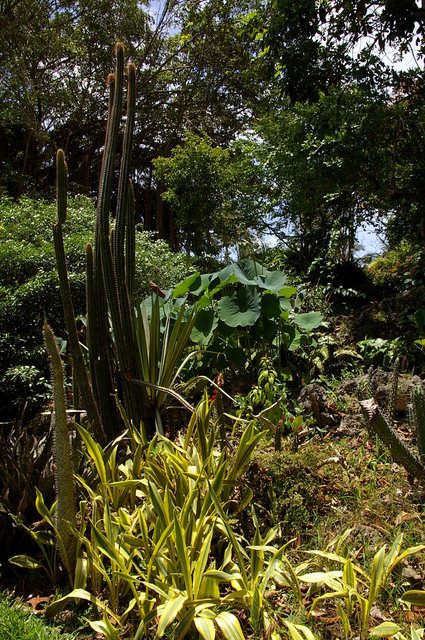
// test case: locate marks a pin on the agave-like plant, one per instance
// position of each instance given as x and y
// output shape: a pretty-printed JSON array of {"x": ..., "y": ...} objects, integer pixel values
[{"x": 162, "y": 337}]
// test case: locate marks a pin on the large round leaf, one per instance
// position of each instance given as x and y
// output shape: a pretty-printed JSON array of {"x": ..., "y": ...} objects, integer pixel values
[
  {"x": 249, "y": 272},
  {"x": 205, "y": 323},
  {"x": 308, "y": 321},
  {"x": 273, "y": 281},
  {"x": 270, "y": 306},
  {"x": 285, "y": 304},
  {"x": 287, "y": 291},
  {"x": 242, "y": 309},
  {"x": 184, "y": 286}
]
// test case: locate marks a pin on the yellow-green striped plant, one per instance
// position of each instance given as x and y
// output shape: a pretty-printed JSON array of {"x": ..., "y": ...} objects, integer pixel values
[
  {"x": 393, "y": 630},
  {"x": 159, "y": 541},
  {"x": 351, "y": 585}
]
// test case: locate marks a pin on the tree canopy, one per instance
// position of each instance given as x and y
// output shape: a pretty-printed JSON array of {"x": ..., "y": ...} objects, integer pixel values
[{"x": 276, "y": 116}]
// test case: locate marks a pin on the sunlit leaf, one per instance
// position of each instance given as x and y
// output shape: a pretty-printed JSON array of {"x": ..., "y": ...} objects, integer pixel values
[
  {"x": 385, "y": 630},
  {"x": 230, "y": 626},
  {"x": 242, "y": 309},
  {"x": 308, "y": 321}
]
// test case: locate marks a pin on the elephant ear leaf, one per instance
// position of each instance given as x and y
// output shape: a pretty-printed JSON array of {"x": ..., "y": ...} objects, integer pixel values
[
  {"x": 242, "y": 309},
  {"x": 205, "y": 323},
  {"x": 274, "y": 281},
  {"x": 308, "y": 321}
]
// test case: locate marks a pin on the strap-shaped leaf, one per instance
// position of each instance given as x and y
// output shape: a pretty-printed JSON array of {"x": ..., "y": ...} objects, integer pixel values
[
  {"x": 385, "y": 630},
  {"x": 40, "y": 505},
  {"x": 349, "y": 575},
  {"x": 159, "y": 545},
  {"x": 205, "y": 628},
  {"x": 26, "y": 562},
  {"x": 95, "y": 452},
  {"x": 170, "y": 612},
  {"x": 237, "y": 547},
  {"x": 416, "y": 597},
  {"x": 229, "y": 626},
  {"x": 82, "y": 571},
  {"x": 183, "y": 558},
  {"x": 201, "y": 563},
  {"x": 376, "y": 577},
  {"x": 257, "y": 557},
  {"x": 79, "y": 594},
  {"x": 299, "y": 631}
]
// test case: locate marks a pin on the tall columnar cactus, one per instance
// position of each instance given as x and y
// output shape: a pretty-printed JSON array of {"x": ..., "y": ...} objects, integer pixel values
[
  {"x": 110, "y": 272},
  {"x": 80, "y": 371},
  {"x": 65, "y": 510}
]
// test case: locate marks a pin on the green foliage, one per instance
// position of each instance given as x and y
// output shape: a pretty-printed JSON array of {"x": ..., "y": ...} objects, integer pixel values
[
  {"x": 155, "y": 262},
  {"x": 321, "y": 170},
  {"x": 157, "y": 540},
  {"x": 54, "y": 48},
  {"x": 30, "y": 290},
  {"x": 162, "y": 334},
  {"x": 400, "y": 268},
  {"x": 201, "y": 180},
  {"x": 378, "y": 352},
  {"x": 355, "y": 590},
  {"x": 26, "y": 464},
  {"x": 269, "y": 393},
  {"x": 29, "y": 287},
  {"x": 287, "y": 486},
  {"x": 19, "y": 622},
  {"x": 245, "y": 312}
]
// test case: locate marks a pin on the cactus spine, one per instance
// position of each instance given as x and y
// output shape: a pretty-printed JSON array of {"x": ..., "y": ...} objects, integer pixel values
[{"x": 65, "y": 511}]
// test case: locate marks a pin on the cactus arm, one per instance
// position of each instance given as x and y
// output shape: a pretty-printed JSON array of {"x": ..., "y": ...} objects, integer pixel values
[
  {"x": 65, "y": 511},
  {"x": 111, "y": 141},
  {"x": 123, "y": 190},
  {"x": 135, "y": 400},
  {"x": 99, "y": 348},
  {"x": 130, "y": 245},
  {"x": 68, "y": 309},
  {"x": 418, "y": 406},
  {"x": 399, "y": 451}
]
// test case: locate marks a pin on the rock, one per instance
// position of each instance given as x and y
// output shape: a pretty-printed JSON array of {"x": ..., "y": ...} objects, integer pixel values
[
  {"x": 314, "y": 399},
  {"x": 381, "y": 384},
  {"x": 350, "y": 426}
]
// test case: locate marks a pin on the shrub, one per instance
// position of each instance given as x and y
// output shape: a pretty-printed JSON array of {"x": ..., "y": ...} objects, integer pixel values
[
  {"x": 400, "y": 268},
  {"x": 29, "y": 288}
]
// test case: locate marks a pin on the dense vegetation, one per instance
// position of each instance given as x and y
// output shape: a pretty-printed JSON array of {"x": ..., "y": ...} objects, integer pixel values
[{"x": 212, "y": 411}]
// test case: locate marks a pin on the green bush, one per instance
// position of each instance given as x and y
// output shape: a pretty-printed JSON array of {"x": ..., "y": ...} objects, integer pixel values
[
  {"x": 400, "y": 268},
  {"x": 29, "y": 288},
  {"x": 155, "y": 262}
]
